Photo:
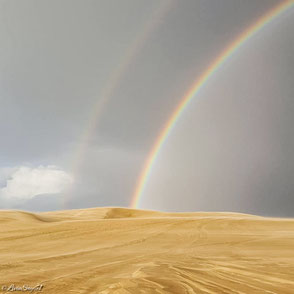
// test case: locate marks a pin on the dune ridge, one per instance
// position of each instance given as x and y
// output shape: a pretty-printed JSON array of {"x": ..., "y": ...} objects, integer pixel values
[{"x": 119, "y": 250}]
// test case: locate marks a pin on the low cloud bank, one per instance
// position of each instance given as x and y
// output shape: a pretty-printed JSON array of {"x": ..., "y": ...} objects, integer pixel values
[{"x": 24, "y": 183}]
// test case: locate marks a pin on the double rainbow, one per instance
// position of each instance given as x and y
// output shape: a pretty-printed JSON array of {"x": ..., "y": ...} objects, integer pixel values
[
  {"x": 113, "y": 82},
  {"x": 199, "y": 83}
]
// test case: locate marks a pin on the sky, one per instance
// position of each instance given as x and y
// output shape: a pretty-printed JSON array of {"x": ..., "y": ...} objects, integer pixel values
[{"x": 87, "y": 86}]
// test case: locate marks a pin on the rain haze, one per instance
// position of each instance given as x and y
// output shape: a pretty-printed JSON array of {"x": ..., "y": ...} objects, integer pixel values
[{"x": 87, "y": 86}]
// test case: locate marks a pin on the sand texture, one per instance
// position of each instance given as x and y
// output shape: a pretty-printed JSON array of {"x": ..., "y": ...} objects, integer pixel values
[{"x": 116, "y": 250}]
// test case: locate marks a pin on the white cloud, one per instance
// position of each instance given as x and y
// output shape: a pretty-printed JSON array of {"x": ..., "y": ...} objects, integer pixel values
[{"x": 24, "y": 183}]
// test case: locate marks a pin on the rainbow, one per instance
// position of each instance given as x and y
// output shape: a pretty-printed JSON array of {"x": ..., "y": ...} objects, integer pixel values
[
  {"x": 113, "y": 82},
  {"x": 199, "y": 83}
]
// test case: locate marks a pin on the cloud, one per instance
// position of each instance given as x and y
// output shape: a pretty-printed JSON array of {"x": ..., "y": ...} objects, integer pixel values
[{"x": 24, "y": 183}]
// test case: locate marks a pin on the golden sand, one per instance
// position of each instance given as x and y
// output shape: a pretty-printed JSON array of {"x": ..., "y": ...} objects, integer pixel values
[{"x": 116, "y": 250}]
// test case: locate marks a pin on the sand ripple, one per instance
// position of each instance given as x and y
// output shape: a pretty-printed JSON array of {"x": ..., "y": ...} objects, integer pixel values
[{"x": 114, "y": 250}]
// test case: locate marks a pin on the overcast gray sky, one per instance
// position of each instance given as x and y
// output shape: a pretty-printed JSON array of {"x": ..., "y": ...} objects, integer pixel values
[{"x": 231, "y": 150}]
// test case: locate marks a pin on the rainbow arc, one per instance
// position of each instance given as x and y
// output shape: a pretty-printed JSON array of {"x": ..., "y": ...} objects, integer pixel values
[{"x": 197, "y": 86}]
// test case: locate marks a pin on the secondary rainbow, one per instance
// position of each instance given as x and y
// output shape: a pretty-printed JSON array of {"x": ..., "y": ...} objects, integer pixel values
[
  {"x": 199, "y": 83},
  {"x": 113, "y": 82}
]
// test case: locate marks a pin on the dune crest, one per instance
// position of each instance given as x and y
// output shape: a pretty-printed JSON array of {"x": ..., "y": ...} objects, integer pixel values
[{"x": 120, "y": 250}]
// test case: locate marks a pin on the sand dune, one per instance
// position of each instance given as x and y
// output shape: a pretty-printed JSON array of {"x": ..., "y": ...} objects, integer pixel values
[{"x": 115, "y": 250}]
